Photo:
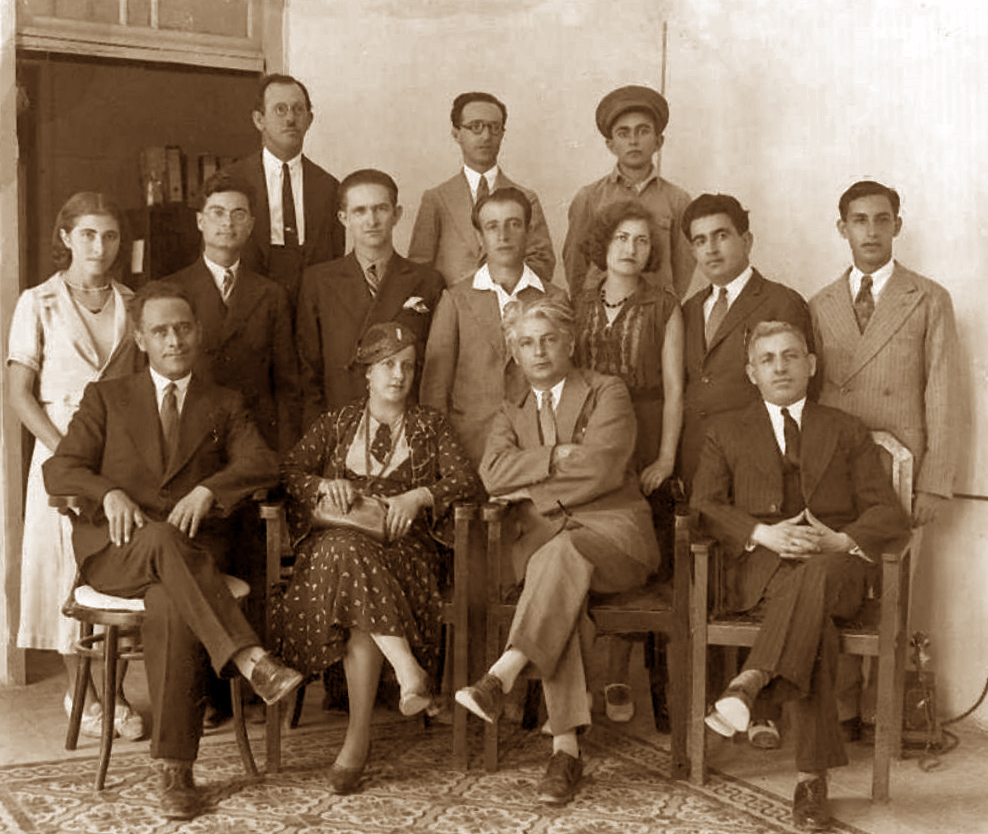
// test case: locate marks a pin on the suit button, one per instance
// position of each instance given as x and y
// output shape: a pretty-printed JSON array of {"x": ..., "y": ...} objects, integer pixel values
[
  {"x": 773, "y": 508},
  {"x": 703, "y": 413},
  {"x": 705, "y": 379},
  {"x": 845, "y": 391}
]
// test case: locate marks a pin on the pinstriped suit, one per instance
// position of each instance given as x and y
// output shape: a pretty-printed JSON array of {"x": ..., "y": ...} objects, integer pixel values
[{"x": 899, "y": 375}]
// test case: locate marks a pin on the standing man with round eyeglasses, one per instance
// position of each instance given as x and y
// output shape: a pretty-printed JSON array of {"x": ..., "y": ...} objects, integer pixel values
[
  {"x": 296, "y": 224},
  {"x": 444, "y": 236}
]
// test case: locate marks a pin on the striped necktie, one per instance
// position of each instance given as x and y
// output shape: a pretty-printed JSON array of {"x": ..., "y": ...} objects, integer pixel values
[
  {"x": 547, "y": 419},
  {"x": 483, "y": 189},
  {"x": 373, "y": 279},
  {"x": 864, "y": 303}
]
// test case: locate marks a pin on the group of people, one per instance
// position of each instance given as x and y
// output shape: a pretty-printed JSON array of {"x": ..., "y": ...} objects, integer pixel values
[{"x": 460, "y": 371}]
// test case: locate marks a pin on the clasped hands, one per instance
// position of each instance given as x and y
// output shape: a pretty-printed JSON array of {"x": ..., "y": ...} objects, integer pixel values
[
  {"x": 402, "y": 509},
  {"x": 123, "y": 514},
  {"x": 800, "y": 537}
]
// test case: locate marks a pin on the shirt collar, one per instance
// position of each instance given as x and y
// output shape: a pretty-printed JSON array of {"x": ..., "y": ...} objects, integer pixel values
[
  {"x": 162, "y": 382},
  {"x": 618, "y": 177},
  {"x": 879, "y": 278},
  {"x": 272, "y": 163},
  {"x": 778, "y": 421},
  {"x": 380, "y": 263},
  {"x": 556, "y": 391},
  {"x": 218, "y": 272},
  {"x": 473, "y": 178},
  {"x": 734, "y": 289},
  {"x": 482, "y": 281}
]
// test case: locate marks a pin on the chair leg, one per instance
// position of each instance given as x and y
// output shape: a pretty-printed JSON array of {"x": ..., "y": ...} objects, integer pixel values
[
  {"x": 272, "y": 739},
  {"x": 698, "y": 699},
  {"x": 677, "y": 696},
  {"x": 240, "y": 725},
  {"x": 110, "y": 637},
  {"x": 299, "y": 702},
  {"x": 491, "y": 729},
  {"x": 79, "y": 696},
  {"x": 460, "y": 671}
]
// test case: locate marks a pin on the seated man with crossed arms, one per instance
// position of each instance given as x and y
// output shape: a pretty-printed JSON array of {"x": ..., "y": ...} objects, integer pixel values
[
  {"x": 560, "y": 451},
  {"x": 796, "y": 494}
]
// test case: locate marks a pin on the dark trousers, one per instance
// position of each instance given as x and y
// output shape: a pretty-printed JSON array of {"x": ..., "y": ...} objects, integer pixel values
[
  {"x": 190, "y": 620},
  {"x": 798, "y": 645}
]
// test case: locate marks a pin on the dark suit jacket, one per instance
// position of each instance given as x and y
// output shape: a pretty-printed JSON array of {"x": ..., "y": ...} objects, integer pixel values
[
  {"x": 715, "y": 377},
  {"x": 468, "y": 368},
  {"x": 114, "y": 442},
  {"x": 900, "y": 375},
  {"x": 597, "y": 486},
  {"x": 334, "y": 311},
  {"x": 325, "y": 237},
  {"x": 444, "y": 235},
  {"x": 249, "y": 347},
  {"x": 740, "y": 484}
]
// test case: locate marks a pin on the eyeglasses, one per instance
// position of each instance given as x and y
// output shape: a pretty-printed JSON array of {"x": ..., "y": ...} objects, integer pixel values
[
  {"x": 218, "y": 214},
  {"x": 297, "y": 110},
  {"x": 478, "y": 126}
]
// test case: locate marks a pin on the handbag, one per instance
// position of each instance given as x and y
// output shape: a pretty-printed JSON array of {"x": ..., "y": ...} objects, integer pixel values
[{"x": 367, "y": 514}]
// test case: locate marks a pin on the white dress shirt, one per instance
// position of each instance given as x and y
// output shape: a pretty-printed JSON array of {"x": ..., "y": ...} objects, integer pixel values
[
  {"x": 733, "y": 291},
  {"x": 778, "y": 422},
  {"x": 879, "y": 278},
  {"x": 162, "y": 382},
  {"x": 482, "y": 281},
  {"x": 556, "y": 392},
  {"x": 273, "y": 180},
  {"x": 473, "y": 178},
  {"x": 219, "y": 273}
]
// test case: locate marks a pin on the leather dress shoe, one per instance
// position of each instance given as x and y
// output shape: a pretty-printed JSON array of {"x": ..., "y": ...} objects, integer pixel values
[
  {"x": 810, "y": 808},
  {"x": 177, "y": 791},
  {"x": 485, "y": 698},
  {"x": 272, "y": 680},
  {"x": 561, "y": 779},
  {"x": 764, "y": 734}
]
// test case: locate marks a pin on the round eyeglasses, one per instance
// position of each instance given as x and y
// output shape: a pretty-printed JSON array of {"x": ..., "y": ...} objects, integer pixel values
[{"x": 478, "y": 126}]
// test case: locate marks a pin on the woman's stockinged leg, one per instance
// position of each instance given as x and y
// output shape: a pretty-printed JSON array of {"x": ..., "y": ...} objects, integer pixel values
[{"x": 362, "y": 666}]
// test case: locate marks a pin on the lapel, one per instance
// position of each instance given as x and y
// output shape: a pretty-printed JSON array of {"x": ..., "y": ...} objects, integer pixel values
[
  {"x": 483, "y": 308},
  {"x": 123, "y": 327},
  {"x": 396, "y": 287},
  {"x": 575, "y": 393},
  {"x": 195, "y": 421},
  {"x": 247, "y": 294},
  {"x": 834, "y": 309},
  {"x": 817, "y": 445},
  {"x": 210, "y": 308},
  {"x": 527, "y": 424},
  {"x": 350, "y": 288},
  {"x": 144, "y": 423},
  {"x": 262, "y": 217},
  {"x": 313, "y": 207},
  {"x": 755, "y": 427},
  {"x": 459, "y": 206},
  {"x": 896, "y": 303},
  {"x": 75, "y": 329},
  {"x": 750, "y": 299}
]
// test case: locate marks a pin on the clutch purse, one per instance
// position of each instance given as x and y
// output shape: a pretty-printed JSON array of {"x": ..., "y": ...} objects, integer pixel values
[{"x": 367, "y": 514}]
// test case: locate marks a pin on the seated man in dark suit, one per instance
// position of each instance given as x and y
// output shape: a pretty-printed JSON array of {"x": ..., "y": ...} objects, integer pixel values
[
  {"x": 164, "y": 456},
  {"x": 796, "y": 494},
  {"x": 341, "y": 299},
  {"x": 562, "y": 451}
]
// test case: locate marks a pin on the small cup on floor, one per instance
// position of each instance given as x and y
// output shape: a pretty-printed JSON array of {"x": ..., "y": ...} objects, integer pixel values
[{"x": 619, "y": 704}]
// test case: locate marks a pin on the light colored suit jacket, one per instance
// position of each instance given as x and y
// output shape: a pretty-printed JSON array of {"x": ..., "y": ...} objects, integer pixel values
[
  {"x": 900, "y": 374},
  {"x": 740, "y": 484},
  {"x": 594, "y": 488},
  {"x": 468, "y": 368},
  {"x": 444, "y": 235}
]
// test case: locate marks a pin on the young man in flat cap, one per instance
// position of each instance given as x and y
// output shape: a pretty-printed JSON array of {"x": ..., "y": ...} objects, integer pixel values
[
  {"x": 632, "y": 120},
  {"x": 444, "y": 236}
]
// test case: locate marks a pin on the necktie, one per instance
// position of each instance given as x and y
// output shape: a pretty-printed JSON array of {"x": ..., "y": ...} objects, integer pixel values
[
  {"x": 483, "y": 189},
  {"x": 864, "y": 303},
  {"x": 381, "y": 445},
  {"x": 373, "y": 279},
  {"x": 717, "y": 314},
  {"x": 169, "y": 423},
  {"x": 288, "y": 207},
  {"x": 790, "y": 432},
  {"x": 547, "y": 420},
  {"x": 228, "y": 278}
]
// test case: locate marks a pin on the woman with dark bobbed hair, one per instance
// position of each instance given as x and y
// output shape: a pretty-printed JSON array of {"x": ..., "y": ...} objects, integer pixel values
[
  {"x": 631, "y": 329},
  {"x": 66, "y": 332}
]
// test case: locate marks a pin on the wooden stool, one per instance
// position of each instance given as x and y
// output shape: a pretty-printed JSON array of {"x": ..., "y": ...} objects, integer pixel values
[{"x": 121, "y": 616}]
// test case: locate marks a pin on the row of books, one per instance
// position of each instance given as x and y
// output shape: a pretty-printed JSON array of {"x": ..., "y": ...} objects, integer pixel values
[{"x": 170, "y": 176}]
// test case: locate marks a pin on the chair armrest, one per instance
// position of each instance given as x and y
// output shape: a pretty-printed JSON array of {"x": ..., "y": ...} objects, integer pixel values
[{"x": 72, "y": 504}]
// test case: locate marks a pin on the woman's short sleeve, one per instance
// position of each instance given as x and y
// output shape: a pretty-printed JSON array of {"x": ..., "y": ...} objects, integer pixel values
[{"x": 26, "y": 333}]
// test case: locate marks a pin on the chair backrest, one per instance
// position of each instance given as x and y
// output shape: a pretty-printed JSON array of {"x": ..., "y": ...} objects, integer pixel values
[{"x": 898, "y": 461}]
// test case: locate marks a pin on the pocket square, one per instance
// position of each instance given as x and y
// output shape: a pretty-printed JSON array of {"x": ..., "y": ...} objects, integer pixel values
[{"x": 416, "y": 303}]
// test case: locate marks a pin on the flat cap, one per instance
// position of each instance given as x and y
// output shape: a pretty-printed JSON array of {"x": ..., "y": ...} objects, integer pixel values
[
  {"x": 383, "y": 340},
  {"x": 632, "y": 97}
]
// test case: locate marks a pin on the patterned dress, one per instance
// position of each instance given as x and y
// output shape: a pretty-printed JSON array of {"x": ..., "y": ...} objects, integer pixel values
[{"x": 344, "y": 579}]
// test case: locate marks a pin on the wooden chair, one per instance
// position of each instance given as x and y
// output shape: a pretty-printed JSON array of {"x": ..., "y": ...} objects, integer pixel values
[
  {"x": 881, "y": 632},
  {"x": 280, "y": 564},
  {"x": 117, "y": 617},
  {"x": 655, "y": 608}
]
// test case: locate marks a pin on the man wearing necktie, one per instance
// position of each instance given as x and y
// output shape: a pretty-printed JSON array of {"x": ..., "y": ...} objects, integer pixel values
[
  {"x": 560, "y": 453},
  {"x": 341, "y": 299},
  {"x": 164, "y": 456},
  {"x": 888, "y": 351},
  {"x": 718, "y": 321},
  {"x": 443, "y": 236},
  {"x": 297, "y": 200},
  {"x": 796, "y": 495}
]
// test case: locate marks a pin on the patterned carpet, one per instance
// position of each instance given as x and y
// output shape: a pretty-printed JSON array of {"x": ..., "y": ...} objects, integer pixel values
[{"x": 409, "y": 788}]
